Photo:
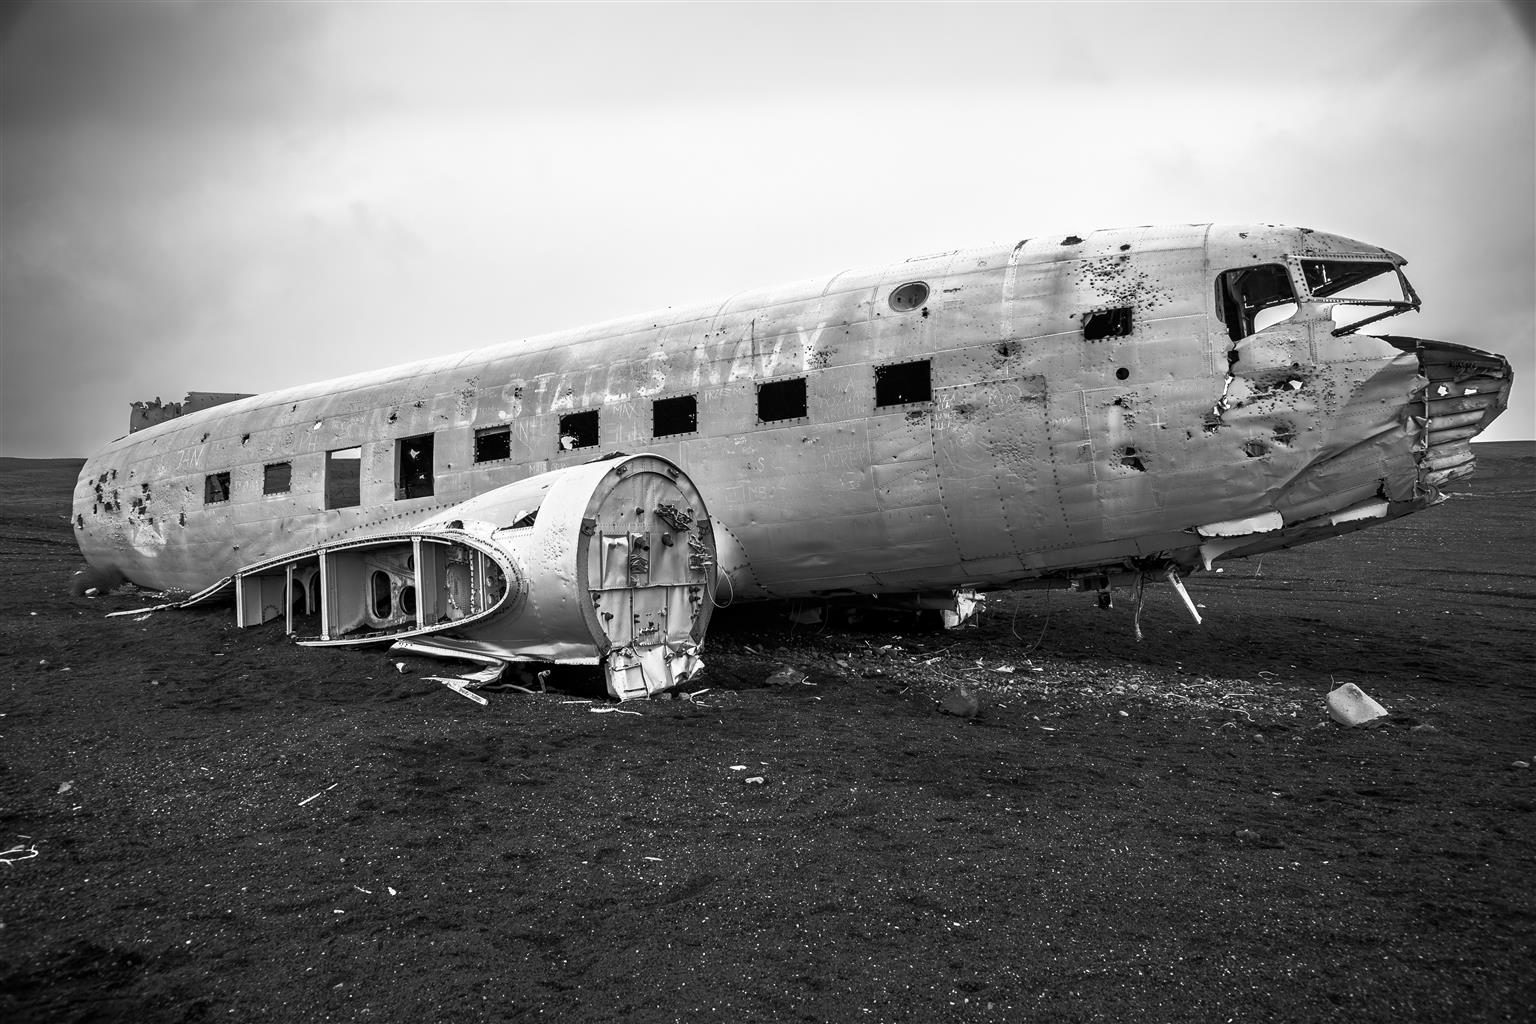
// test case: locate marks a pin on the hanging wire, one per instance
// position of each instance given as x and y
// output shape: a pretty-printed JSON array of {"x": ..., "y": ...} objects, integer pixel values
[
  {"x": 728, "y": 601},
  {"x": 1049, "y": 593}
]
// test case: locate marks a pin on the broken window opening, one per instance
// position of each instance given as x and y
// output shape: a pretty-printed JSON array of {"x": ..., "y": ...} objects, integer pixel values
[
  {"x": 578, "y": 430},
  {"x": 413, "y": 467},
  {"x": 276, "y": 478},
  {"x": 215, "y": 488},
  {"x": 1359, "y": 283},
  {"x": 1107, "y": 323},
  {"x": 781, "y": 400},
  {"x": 903, "y": 384},
  {"x": 1242, "y": 294},
  {"x": 493, "y": 444},
  {"x": 343, "y": 478},
  {"x": 909, "y": 296},
  {"x": 671, "y": 416}
]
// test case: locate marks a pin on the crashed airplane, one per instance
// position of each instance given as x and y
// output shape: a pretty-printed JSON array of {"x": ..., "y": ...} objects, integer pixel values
[{"x": 1084, "y": 412}]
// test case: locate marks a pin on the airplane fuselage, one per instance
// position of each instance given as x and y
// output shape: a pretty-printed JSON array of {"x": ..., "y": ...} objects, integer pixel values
[{"x": 988, "y": 417}]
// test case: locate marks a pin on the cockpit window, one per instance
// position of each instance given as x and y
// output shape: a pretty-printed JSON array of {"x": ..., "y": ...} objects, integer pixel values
[
  {"x": 1329, "y": 277},
  {"x": 1356, "y": 285},
  {"x": 1241, "y": 295}
]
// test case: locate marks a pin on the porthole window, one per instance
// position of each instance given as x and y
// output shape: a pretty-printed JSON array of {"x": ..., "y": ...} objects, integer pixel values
[{"x": 909, "y": 296}]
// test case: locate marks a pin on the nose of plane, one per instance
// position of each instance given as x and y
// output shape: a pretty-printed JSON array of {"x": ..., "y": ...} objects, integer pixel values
[{"x": 1461, "y": 391}]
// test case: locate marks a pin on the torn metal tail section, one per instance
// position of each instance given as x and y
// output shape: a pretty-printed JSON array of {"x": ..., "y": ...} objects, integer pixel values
[{"x": 1461, "y": 390}]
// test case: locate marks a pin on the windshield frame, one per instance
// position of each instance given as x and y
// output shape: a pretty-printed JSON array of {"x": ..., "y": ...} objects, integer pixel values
[{"x": 1410, "y": 301}]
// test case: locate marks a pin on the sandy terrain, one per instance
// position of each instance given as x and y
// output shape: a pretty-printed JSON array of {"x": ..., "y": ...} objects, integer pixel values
[{"x": 211, "y": 824}]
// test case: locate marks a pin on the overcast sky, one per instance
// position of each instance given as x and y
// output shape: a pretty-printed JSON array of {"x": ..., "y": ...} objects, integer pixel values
[{"x": 243, "y": 196}]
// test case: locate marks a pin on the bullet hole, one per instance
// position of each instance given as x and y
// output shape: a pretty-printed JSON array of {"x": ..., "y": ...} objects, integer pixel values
[
  {"x": 925, "y": 312},
  {"x": 1005, "y": 350},
  {"x": 1126, "y": 247},
  {"x": 1131, "y": 460},
  {"x": 204, "y": 439},
  {"x": 245, "y": 438},
  {"x": 393, "y": 416},
  {"x": 1122, "y": 373},
  {"x": 1255, "y": 449},
  {"x": 183, "y": 519},
  {"x": 418, "y": 405},
  {"x": 1071, "y": 240},
  {"x": 80, "y": 521},
  {"x": 1285, "y": 433}
]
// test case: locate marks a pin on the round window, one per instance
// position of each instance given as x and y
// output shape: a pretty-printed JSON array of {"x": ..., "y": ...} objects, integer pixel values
[{"x": 909, "y": 296}]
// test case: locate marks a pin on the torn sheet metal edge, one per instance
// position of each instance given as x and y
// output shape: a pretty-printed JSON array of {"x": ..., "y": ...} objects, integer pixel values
[
  {"x": 458, "y": 686},
  {"x": 443, "y": 650},
  {"x": 1263, "y": 523},
  {"x": 1365, "y": 510}
]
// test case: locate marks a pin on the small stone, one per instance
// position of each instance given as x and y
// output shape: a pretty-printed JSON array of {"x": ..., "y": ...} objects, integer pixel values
[
  {"x": 787, "y": 677},
  {"x": 961, "y": 703},
  {"x": 756, "y": 780},
  {"x": 67, "y": 786},
  {"x": 1424, "y": 727},
  {"x": 1513, "y": 764},
  {"x": 1248, "y": 835}
]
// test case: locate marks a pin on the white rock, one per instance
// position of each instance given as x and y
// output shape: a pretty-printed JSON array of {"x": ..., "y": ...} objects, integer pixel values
[{"x": 1350, "y": 705}]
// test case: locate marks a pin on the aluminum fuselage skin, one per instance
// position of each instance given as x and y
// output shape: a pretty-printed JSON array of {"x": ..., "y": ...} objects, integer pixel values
[{"x": 1039, "y": 454}]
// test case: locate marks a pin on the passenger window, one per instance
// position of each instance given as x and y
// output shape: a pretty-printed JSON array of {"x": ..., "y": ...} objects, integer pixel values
[
  {"x": 1107, "y": 323},
  {"x": 578, "y": 430},
  {"x": 781, "y": 400},
  {"x": 276, "y": 478},
  {"x": 1242, "y": 294},
  {"x": 493, "y": 444},
  {"x": 413, "y": 467},
  {"x": 674, "y": 416},
  {"x": 343, "y": 478},
  {"x": 903, "y": 384},
  {"x": 215, "y": 488}
]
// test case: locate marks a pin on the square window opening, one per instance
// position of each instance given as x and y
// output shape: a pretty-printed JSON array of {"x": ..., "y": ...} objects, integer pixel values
[
  {"x": 578, "y": 430},
  {"x": 781, "y": 400},
  {"x": 343, "y": 478},
  {"x": 903, "y": 384},
  {"x": 277, "y": 478},
  {"x": 493, "y": 444},
  {"x": 413, "y": 467},
  {"x": 674, "y": 416},
  {"x": 215, "y": 488},
  {"x": 1107, "y": 323}
]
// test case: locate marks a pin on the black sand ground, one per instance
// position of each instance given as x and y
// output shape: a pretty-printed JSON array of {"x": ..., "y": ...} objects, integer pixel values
[{"x": 1167, "y": 831}]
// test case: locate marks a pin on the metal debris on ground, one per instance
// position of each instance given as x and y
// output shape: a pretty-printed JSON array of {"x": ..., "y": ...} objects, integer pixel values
[
  {"x": 318, "y": 795},
  {"x": 24, "y": 851}
]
